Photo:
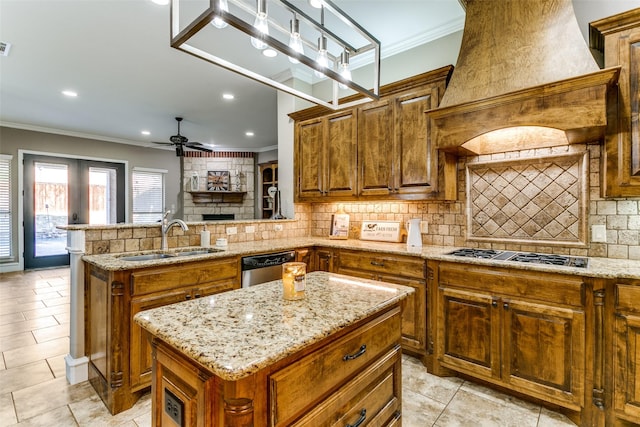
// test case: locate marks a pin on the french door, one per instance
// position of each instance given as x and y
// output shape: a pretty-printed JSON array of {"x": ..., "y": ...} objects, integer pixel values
[{"x": 61, "y": 191}]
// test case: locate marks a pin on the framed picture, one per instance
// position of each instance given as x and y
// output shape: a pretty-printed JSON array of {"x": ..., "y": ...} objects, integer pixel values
[{"x": 218, "y": 181}]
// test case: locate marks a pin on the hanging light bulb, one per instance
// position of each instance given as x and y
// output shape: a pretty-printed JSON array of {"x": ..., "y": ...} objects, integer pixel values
[
  {"x": 322, "y": 59},
  {"x": 295, "y": 42},
  {"x": 260, "y": 24},
  {"x": 344, "y": 70},
  {"x": 217, "y": 22}
]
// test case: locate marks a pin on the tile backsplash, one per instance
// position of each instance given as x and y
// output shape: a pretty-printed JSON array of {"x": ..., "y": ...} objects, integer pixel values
[{"x": 579, "y": 206}]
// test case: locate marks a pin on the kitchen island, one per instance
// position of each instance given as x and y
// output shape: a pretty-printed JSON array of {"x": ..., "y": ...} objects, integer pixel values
[{"x": 248, "y": 357}]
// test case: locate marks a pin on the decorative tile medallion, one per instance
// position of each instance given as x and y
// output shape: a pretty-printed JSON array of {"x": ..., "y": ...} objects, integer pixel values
[{"x": 530, "y": 200}]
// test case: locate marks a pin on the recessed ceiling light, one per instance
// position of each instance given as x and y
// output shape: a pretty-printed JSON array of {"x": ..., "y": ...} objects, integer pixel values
[
  {"x": 161, "y": 2},
  {"x": 228, "y": 96},
  {"x": 249, "y": 133},
  {"x": 269, "y": 53},
  {"x": 146, "y": 132},
  {"x": 70, "y": 93},
  {"x": 316, "y": 3}
]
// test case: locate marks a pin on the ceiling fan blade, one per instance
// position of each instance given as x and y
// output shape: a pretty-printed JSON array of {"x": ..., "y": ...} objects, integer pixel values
[
  {"x": 197, "y": 146},
  {"x": 162, "y": 143}
]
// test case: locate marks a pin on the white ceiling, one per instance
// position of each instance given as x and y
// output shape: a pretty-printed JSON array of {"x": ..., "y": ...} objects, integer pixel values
[{"x": 116, "y": 55}]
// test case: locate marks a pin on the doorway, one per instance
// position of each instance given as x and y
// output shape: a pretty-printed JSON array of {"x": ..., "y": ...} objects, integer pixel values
[{"x": 61, "y": 191}]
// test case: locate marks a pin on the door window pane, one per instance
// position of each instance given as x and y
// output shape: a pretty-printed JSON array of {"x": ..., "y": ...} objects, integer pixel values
[
  {"x": 102, "y": 196},
  {"x": 6, "y": 235},
  {"x": 50, "y": 208},
  {"x": 148, "y": 196}
]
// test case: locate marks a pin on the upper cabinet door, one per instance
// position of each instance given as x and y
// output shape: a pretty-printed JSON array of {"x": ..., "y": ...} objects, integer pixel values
[
  {"x": 621, "y": 36},
  {"x": 341, "y": 155},
  {"x": 375, "y": 149},
  {"x": 415, "y": 165},
  {"x": 309, "y": 158}
]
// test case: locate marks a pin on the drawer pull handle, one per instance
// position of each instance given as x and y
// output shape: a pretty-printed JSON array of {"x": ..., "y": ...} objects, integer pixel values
[
  {"x": 377, "y": 264},
  {"x": 188, "y": 297},
  {"x": 197, "y": 295},
  {"x": 360, "y": 352},
  {"x": 363, "y": 416}
]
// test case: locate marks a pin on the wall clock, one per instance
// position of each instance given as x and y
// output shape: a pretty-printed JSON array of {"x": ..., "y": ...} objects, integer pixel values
[{"x": 218, "y": 180}]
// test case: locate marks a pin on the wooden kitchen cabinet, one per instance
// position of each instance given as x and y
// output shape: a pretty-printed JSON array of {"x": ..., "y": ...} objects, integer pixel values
[
  {"x": 521, "y": 330},
  {"x": 119, "y": 353},
  {"x": 402, "y": 270},
  {"x": 618, "y": 38},
  {"x": 323, "y": 259},
  {"x": 324, "y": 156},
  {"x": 625, "y": 375},
  {"x": 378, "y": 150}
]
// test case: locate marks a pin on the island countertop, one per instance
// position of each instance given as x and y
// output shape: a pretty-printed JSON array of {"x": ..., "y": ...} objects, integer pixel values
[{"x": 237, "y": 333}]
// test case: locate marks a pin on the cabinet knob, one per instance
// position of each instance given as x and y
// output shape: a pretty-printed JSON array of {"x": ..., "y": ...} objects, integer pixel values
[
  {"x": 363, "y": 416},
  {"x": 506, "y": 305},
  {"x": 494, "y": 303},
  {"x": 188, "y": 296},
  {"x": 360, "y": 352},
  {"x": 377, "y": 264},
  {"x": 197, "y": 295}
]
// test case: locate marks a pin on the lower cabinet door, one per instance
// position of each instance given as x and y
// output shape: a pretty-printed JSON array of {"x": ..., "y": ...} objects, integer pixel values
[
  {"x": 140, "y": 360},
  {"x": 469, "y": 337},
  {"x": 370, "y": 399},
  {"x": 543, "y": 351},
  {"x": 626, "y": 365}
]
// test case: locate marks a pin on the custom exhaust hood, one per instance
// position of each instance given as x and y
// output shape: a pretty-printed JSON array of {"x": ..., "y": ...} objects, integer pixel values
[{"x": 524, "y": 78}]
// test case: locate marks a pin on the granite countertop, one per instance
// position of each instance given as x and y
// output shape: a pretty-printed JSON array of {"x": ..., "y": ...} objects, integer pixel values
[
  {"x": 608, "y": 268},
  {"x": 237, "y": 333}
]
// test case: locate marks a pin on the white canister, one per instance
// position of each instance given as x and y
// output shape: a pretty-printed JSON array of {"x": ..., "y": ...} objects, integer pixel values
[{"x": 205, "y": 238}]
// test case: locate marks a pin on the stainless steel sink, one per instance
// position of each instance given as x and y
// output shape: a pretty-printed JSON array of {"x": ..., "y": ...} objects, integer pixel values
[
  {"x": 198, "y": 252},
  {"x": 146, "y": 257}
]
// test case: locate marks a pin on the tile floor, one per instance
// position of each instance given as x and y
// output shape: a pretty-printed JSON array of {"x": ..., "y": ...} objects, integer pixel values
[{"x": 34, "y": 338}]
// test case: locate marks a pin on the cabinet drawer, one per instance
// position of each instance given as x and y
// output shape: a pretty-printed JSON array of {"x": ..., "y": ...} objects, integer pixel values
[
  {"x": 373, "y": 396},
  {"x": 301, "y": 385},
  {"x": 179, "y": 275},
  {"x": 560, "y": 289},
  {"x": 382, "y": 263},
  {"x": 627, "y": 297}
]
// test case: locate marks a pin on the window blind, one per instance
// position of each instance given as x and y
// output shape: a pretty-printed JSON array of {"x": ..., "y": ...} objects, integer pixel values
[
  {"x": 148, "y": 196},
  {"x": 6, "y": 234}
]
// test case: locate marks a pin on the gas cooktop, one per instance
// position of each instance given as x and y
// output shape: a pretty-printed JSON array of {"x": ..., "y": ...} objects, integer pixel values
[{"x": 530, "y": 257}]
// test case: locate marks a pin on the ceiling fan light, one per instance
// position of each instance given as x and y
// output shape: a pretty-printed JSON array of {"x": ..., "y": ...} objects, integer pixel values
[
  {"x": 217, "y": 21},
  {"x": 260, "y": 24}
]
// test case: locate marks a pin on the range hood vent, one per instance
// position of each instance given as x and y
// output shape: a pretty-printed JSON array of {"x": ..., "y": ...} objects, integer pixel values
[{"x": 521, "y": 64}]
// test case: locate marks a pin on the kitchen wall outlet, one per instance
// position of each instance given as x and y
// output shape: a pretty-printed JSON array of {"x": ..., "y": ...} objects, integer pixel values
[
  {"x": 599, "y": 233},
  {"x": 250, "y": 229},
  {"x": 277, "y": 227},
  {"x": 232, "y": 230},
  {"x": 173, "y": 407},
  {"x": 424, "y": 227}
]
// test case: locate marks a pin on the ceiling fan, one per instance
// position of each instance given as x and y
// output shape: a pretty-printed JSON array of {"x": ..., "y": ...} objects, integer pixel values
[{"x": 182, "y": 142}]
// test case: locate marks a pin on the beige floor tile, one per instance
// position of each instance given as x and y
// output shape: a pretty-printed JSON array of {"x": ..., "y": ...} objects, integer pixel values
[
  {"x": 419, "y": 411},
  {"x": 49, "y": 395},
  {"x": 47, "y": 311},
  {"x": 52, "y": 332},
  {"x": 416, "y": 378},
  {"x": 27, "y": 325},
  {"x": 63, "y": 317},
  {"x": 17, "y": 340},
  {"x": 25, "y": 376},
  {"x": 58, "y": 417},
  {"x": 6, "y": 308},
  {"x": 92, "y": 412},
  {"x": 58, "y": 366},
  {"x": 553, "y": 419},
  {"x": 56, "y": 301},
  {"x": 11, "y": 318},
  {"x": 474, "y": 409},
  {"x": 23, "y": 355},
  {"x": 7, "y": 411}
]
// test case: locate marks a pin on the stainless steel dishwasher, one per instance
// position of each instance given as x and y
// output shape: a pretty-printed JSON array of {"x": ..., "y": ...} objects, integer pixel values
[{"x": 264, "y": 268}]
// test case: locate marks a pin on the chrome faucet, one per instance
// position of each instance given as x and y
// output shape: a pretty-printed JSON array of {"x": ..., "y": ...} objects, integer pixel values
[{"x": 166, "y": 225}]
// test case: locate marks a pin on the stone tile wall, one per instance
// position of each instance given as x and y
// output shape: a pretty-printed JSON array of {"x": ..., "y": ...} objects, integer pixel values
[{"x": 447, "y": 221}]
